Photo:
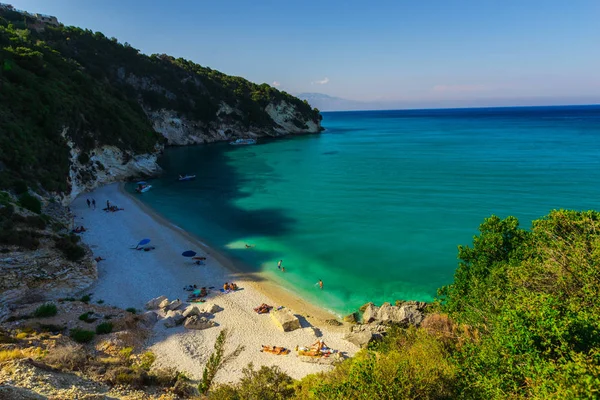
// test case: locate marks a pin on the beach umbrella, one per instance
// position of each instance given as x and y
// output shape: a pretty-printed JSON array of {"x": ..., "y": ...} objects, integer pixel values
[
  {"x": 143, "y": 242},
  {"x": 188, "y": 253}
]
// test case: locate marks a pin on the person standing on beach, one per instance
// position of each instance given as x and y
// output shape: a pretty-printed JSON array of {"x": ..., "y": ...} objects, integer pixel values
[
  {"x": 88, "y": 201},
  {"x": 107, "y": 205},
  {"x": 321, "y": 284},
  {"x": 94, "y": 203},
  {"x": 279, "y": 264}
]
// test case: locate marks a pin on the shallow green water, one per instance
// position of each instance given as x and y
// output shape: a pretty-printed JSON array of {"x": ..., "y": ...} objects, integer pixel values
[{"x": 376, "y": 205}]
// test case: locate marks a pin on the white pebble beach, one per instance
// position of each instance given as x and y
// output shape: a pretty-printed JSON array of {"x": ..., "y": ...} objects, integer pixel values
[{"x": 129, "y": 278}]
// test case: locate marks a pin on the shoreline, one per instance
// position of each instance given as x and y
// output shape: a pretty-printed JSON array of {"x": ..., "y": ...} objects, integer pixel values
[
  {"x": 129, "y": 278},
  {"x": 260, "y": 281}
]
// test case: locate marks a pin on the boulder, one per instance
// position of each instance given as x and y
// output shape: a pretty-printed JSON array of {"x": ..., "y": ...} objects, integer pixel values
[
  {"x": 209, "y": 308},
  {"x": 173, "y": 305},
  {"x": 149, "y": 318},
  {"x": 154, "y": 303},
  {"x": 333, "y": 322},
  {"x": 410, "y": 315},
  {"x": 360, "y": 339},
  {"x": 197, "y": 322},
  {"x": 176, "y": 315},
  {"x": 364, "y": 306},
  {"x": 163, "y": 303},
  {"x": 285, "y": 319},
  {"x": 370, "y": 313},
  {"x": 362, "y": 335},
  {"x": 350, "y": 318},
  {"x": 191, "y": 310},
  {"x": 169, "y": 322}
]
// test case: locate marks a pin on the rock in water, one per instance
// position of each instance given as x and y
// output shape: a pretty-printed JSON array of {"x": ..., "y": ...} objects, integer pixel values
[
  {"x": 196, "y": 322},
  {"x": 154, "y": 303},
  {"x": 351, "y": 318},
  {"x": 285, "y": 319}
]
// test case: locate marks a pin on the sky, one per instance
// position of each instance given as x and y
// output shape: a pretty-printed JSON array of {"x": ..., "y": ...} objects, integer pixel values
[{"x": 405, "y": 52}]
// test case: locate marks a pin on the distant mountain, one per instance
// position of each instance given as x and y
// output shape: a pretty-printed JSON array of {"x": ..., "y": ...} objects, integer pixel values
[{"x": 329, "y": 103}]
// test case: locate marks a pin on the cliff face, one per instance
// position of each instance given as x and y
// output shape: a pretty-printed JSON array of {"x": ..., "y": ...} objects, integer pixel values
[{"x": 78, "y": 109}]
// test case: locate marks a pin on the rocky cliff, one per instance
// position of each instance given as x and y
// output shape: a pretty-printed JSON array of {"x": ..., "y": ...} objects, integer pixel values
[{"x": 78, "y": 109}]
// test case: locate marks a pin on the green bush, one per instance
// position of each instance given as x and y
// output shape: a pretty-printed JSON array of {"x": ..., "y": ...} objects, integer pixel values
[
  {"x": 81, "y": 335},
  {"x": 20, "y": 187},
  {"x": 132, "y": 310},
  {"x": 104, "y": 328},
  {"x": 45, "y": 310},
  {"x": 69, "y": 246},
  {"x": 84, "y": 317},
  {"x": 83, "y": 158},
  {"x": 85, "y": 298},
  {"x": 30, "y": 202}
]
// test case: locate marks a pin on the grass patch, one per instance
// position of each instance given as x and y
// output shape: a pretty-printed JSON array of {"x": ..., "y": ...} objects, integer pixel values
[
  {"x": 104, "y": 328},
  {"x": 146, "y": 360},
  {"x": 7, "y": 355},
  {"x": 81, "y": 335},
  {"x": 125, "y": 353},
  {"x": 52, "y": 328},
  {"x": 45, "y": 310}
]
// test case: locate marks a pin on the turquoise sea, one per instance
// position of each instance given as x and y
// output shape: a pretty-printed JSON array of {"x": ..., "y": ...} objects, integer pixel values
[{"x": 377, "y": 204}]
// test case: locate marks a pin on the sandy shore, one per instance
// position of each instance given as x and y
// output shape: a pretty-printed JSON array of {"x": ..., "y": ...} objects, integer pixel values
[{"x": 129, "y": 278}]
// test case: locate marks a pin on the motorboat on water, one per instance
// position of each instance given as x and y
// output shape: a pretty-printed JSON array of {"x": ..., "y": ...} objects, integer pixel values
[
  {"x": 186, "y": 177},
  {"x": 142, "y": 187},
  {"x": 241, "y": 142}
]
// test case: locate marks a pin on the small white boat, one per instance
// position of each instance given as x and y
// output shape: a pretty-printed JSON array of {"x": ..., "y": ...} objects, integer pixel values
[
  {"x": 142, "y": 187},
  {"x": 186, "y": 177},
  {"x": 241, "y": 142}
]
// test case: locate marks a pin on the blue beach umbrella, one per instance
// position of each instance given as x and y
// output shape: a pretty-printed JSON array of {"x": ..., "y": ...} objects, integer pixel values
[
  {"x": 143, "y": 242},
  {"x": 188, "y": 253}
]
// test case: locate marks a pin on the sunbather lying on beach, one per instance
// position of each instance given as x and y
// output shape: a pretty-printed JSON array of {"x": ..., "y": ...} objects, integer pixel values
[
  {"x": 148, "y": 248},
  {"x": 263, "y": 309},
  {"x": 98, "y": 259},
  {"x": 79, "y": 229},
  {"x": 274, "y": 350}
]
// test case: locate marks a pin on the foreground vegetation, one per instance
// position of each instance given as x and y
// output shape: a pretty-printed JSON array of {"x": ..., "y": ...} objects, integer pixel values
[{"x": 521, "y": 320}]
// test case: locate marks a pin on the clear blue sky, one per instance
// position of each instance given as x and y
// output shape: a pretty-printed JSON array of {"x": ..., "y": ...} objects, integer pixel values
[{"x": 404, "y": 50}]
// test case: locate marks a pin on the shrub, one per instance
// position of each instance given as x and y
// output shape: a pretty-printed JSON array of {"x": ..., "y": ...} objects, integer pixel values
[
  {"x": 35, "y": 221},
  {"x": 70, "y": 357},
  {"x": 86, "y": 298},
  {"x": 81, "y": 335},
  {"x": 20, "y": 187},
  {"x": 84, "y": 316},
  {"x": 30, "y": 202},
  {"x": 68, "y": 245},
  {"x": 215, "y": 361},
  {"x": 52, "y": 328},
  {"x": 269, "y": 383},
  {"x": 125, "y": 352},
  {"x": 131, "y": 310},
  {"x": 83, "y": 158},
  {"x": 45, "y": 310},
  {"x": 146, "y": 360},
  {"x": 100, "y": 301},
  {"x": 135, "y": 377},
  {"x": 104, "y": 328}
]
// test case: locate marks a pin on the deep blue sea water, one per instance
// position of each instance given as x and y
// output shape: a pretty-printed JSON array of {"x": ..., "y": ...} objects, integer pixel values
[{"x": 377, "y": 204}]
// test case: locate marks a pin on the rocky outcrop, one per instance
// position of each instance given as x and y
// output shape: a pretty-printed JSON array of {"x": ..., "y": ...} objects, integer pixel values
[
  {"x": 105, "y": 165},
  {"x": 155, "y": 303},
  {"x": 362, "y": 335},
  {"x": 41, "y": 274},
  {"x": 376, "y": 320},
  {"x": 285, "y": 319},
  {"x": 197, "y": 322}
]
